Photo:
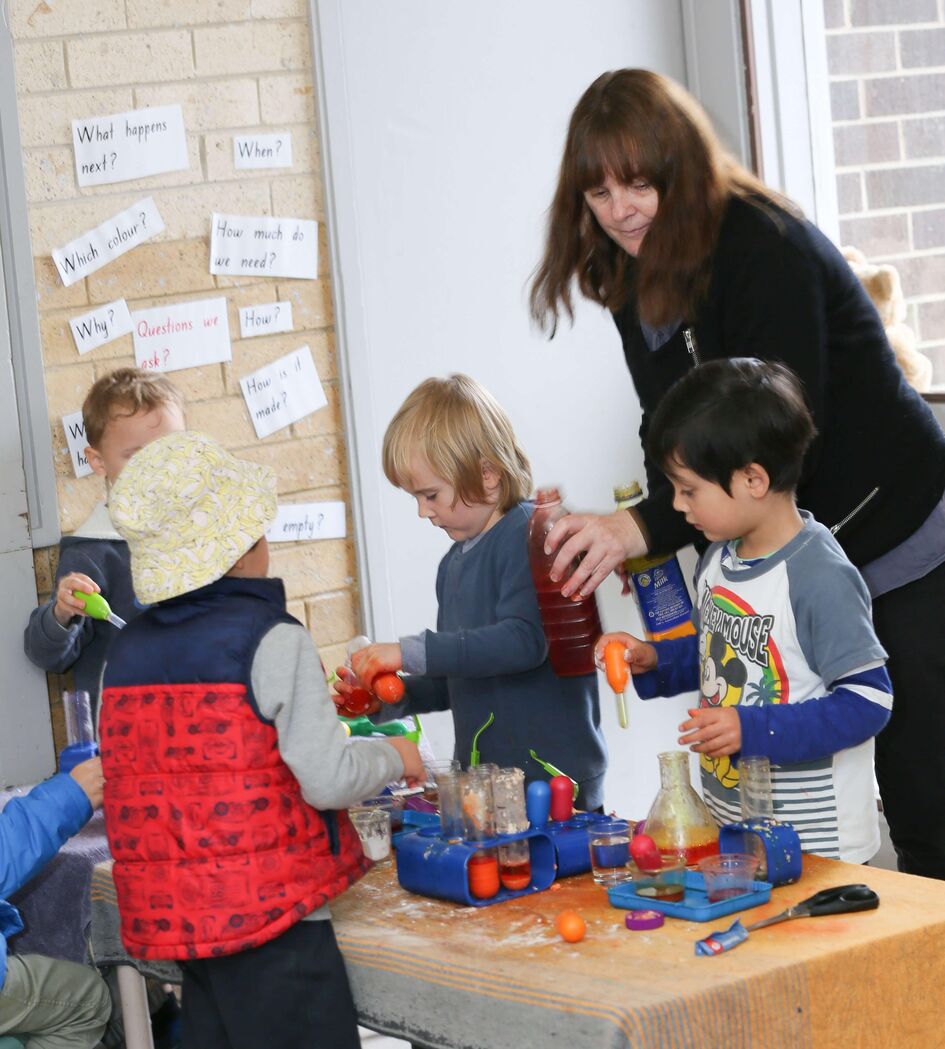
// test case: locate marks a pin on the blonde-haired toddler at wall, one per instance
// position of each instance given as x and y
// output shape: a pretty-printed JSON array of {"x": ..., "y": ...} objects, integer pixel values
[{"x": 123, "y": 411}]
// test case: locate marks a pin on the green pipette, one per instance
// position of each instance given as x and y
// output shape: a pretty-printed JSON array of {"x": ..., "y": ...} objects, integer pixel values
[
  {"x": 97, "y": 607},
  {"x": 474, "y": 752},
  {"x": 554, "y": 771},
  {"x": 366, "y": 727}
]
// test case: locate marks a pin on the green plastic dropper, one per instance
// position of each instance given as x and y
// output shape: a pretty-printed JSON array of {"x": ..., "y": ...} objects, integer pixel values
[
  {"x": 366, "y": 727},
  {"x": 97, "y": 607},
  {"x": 474, "y": 752},
  {"x": 552, "y": 770}
]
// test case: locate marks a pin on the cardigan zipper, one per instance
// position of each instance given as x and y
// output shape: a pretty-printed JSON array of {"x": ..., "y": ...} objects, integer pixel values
[
  {"x": 856, "y": 509},
  {"x": 690, "y": 338}
]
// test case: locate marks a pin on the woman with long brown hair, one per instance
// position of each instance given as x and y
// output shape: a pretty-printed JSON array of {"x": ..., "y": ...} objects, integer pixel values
[{"x": 697, "y": 259}]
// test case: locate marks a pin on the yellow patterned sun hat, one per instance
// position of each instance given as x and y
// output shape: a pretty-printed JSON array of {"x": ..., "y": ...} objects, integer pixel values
[{"x": 189, "y": 511}]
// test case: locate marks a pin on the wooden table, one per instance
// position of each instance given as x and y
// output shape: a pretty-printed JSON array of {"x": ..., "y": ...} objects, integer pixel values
[{"x": 500, "y": 977}]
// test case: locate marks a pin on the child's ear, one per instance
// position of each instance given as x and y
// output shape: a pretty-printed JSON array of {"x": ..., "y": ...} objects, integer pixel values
[
  {"x": 95, "y": 461},
  {"x": 491, "y": 478},
  {"x": 756, "y": 480}
]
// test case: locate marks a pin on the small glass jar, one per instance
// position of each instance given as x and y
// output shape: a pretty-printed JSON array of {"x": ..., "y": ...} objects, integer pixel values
[
  {"x": 610, "y": 852},
  {"x": 373, "y": 826},
  {"x": 432, "y": 767}
]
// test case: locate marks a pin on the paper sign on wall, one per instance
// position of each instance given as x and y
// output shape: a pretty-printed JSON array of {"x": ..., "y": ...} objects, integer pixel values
[
  {"x": 262, "y": 151},
  {"x": 297, "y": 522},
  {"x": 283, "y": 392},
  {"x": 75, "y": 438},
  {"x": 96, "y": 247},
  {"x": 260, "y": 245},
  {"x": 129, "y": 145},
  {"x": 185, "y": 335},
  {"x": 100, "y": 325},
  {"x": 264, "y": 320}
]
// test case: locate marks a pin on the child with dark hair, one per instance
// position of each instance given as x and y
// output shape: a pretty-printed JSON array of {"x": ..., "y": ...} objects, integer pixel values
[{"x": 784, "y": 656}]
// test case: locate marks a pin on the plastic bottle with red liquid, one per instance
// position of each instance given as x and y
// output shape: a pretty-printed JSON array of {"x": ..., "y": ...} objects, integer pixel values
[
  {"x": 571, "y": 627},
  {"x": 386, "y": 686}
]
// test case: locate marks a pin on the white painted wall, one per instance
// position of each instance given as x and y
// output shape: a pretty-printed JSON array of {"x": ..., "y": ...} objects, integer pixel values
[{"x": 442, "y": 129}]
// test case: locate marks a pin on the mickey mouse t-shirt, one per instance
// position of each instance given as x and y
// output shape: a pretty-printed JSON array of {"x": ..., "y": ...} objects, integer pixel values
[{"x": 789, "y": 641}]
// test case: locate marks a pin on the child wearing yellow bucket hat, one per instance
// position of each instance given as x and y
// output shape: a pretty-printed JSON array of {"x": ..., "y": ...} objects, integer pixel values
[{"x": 227, "y": 770}]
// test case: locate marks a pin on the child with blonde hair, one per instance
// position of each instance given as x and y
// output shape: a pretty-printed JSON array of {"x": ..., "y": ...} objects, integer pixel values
[
  {"x": 452, "y": 447},
  {"x": 123, "y": 411}
]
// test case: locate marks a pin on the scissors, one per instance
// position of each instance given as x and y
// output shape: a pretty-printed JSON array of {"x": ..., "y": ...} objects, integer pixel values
[{"x": 842, "y": 899}]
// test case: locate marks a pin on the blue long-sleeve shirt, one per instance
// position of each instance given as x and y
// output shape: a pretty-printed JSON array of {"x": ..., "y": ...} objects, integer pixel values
[
  {"x": 32, "y": 830},
  {"x": 488, "y": 654}
]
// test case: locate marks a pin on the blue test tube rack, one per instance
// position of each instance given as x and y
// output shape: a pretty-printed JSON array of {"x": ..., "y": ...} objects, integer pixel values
[
  {"x": 430, "y": 865},
  {"x": 778, "y": 841}
]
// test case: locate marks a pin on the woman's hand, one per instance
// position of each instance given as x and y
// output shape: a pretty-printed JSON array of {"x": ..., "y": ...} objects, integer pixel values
[
  {"x": 640, "y": 655},
  {"x": 605, "y": 540},
  {"x": 715, "y": 731}
]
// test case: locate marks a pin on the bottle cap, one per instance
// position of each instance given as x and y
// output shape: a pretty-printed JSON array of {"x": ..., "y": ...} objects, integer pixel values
[
  {"x": 638, "y": 920},
  {"x": 627, "y": 491}
]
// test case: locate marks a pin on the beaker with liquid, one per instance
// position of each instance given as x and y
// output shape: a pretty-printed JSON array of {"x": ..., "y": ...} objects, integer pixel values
[
  {"x": 678, "y": 821},
  {"x": 80, "y": 731}
]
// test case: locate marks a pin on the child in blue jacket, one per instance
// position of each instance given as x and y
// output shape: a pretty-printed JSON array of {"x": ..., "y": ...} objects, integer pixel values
[{"x": 52, "y": 1004}]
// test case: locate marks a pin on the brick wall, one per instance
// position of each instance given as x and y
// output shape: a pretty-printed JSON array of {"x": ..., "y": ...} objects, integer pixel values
[
  {"x": 887, "y": 79},
  {"x": 235, "y": 66}
]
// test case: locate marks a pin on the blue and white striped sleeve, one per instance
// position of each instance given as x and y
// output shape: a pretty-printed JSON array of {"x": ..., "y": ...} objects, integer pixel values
[{"x": 857, "y": 707}]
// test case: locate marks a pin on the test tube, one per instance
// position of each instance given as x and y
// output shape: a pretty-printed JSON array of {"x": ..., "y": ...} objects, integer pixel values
[
  {"x": 754, "y": 788},
  {"x": 479, "y": 819},
  {"x": 78, "y": 710},
  {"x": 508, "y": 789},
  {"x": 449, "y": 786}
]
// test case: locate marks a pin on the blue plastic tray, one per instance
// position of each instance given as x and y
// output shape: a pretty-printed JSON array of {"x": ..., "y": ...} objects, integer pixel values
[{"x": 694, "y": 906}]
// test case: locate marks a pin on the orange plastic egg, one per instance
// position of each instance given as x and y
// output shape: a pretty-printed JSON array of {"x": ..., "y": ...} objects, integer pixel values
[
  {"x": 388, "y": 687},
  {"x": 571, "y": 926}
]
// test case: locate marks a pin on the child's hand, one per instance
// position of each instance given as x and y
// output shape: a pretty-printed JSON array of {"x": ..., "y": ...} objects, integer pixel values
[
  {"x": 67, "y": 605},
  {"x": 640, "y": 655},
  {"x": 414, "y": 772},
  {"x": 343, "y": 688},
  {"x": 715, "y": 731},
  {"x": 372, "y": 660},
  {"x": 88, "y": 774}
]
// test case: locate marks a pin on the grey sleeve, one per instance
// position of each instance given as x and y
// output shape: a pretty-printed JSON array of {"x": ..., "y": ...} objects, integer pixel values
[
  {"x": 51, "y": 646},
  {"x": 832, "y": 611},
  {"x": 290, "y": 689}
]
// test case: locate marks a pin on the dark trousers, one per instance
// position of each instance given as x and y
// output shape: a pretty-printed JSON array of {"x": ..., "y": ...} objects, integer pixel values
[
  {"x": 290, "y": 993},
  {"x": 910, "y": 751}
]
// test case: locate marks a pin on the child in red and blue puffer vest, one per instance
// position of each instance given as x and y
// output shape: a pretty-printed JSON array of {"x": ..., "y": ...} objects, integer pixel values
[{"x": 227, "y": 771}]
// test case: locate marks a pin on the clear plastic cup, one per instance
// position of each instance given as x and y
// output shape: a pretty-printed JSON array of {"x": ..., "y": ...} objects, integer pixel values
[
  {"x": 728, "y": 874},
  {"x": 668, "y": 883},
  {"x": 610, "y": 852},
  {"x": 373, "y": 826}
]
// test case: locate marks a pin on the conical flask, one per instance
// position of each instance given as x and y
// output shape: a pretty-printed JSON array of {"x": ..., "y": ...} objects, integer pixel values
[{"x": 678, "y": 821}]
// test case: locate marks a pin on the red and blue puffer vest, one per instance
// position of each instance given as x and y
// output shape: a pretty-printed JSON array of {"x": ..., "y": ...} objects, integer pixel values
[{"x": 215, "y": 849}]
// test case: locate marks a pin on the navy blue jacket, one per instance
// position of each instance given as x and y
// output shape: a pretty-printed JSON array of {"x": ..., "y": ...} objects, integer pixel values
[{"x": 781, "y": 291}]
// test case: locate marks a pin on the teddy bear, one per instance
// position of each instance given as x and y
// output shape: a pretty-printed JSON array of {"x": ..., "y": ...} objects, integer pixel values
[{"x": 883, "y": 286}]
